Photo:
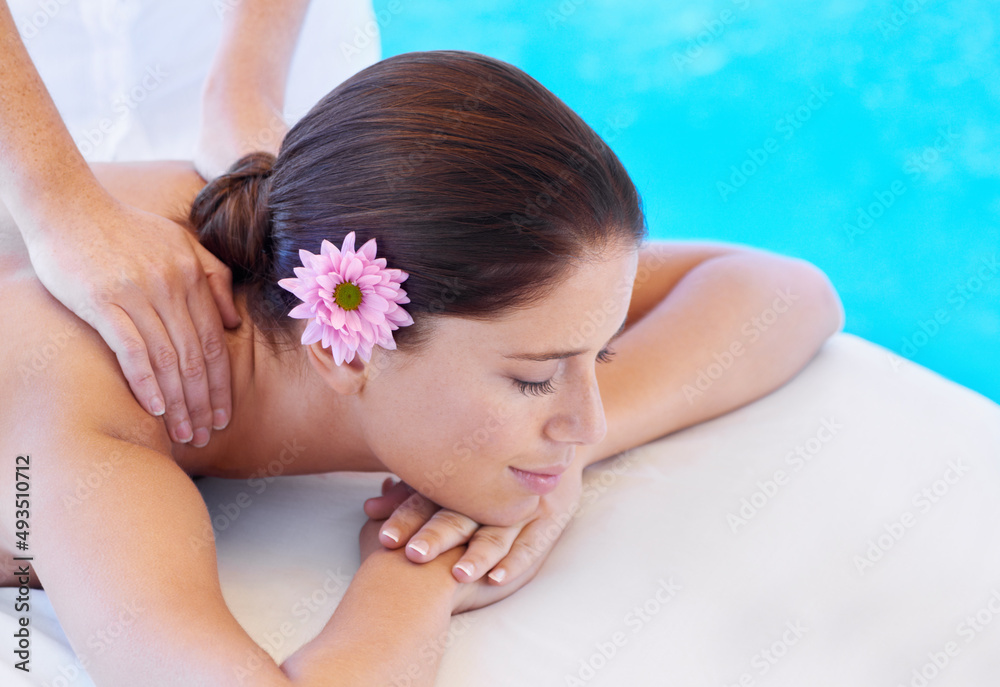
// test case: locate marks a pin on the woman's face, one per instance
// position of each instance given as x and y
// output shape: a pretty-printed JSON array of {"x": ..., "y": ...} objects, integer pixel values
[{"x": 454, "y": 422}]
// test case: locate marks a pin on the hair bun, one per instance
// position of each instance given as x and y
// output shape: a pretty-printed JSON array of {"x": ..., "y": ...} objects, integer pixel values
[{"x": 233, "y": 220}]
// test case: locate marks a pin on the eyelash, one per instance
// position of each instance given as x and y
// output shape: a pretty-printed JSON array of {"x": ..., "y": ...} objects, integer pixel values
[
  {"x": 605, "y": 356},
  {"x": 546, "y": 387}
]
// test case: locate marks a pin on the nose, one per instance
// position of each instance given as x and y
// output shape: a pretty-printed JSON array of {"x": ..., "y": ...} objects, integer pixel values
[{"x": 580, "y": 420}]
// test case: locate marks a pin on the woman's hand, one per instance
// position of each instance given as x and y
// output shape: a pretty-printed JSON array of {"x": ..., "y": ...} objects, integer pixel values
[
  {"x": 466, "y": 597},
  {"x": 506, "y": 553},
  {"x": 156, "y": 296}
]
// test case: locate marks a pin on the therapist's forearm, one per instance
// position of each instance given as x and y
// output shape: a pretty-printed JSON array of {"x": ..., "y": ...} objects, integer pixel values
[
  {"x": 243, "y": 98},
  {"x": 42, "y": 173},
  {"x": 256, "y": 49},
  {"x": 732, "y": 330}
]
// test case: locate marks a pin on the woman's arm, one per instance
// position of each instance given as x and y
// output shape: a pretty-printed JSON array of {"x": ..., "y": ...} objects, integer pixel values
[
  {"x": 711, "y": 327},
  {"x": 129, "y": 564}
]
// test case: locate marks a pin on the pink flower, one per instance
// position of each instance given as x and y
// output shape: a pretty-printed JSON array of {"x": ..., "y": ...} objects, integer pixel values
[{"x": 350, "y": 297}]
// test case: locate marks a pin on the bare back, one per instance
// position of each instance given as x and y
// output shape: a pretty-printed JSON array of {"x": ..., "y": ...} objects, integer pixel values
[{"x": 57, "y": 375}]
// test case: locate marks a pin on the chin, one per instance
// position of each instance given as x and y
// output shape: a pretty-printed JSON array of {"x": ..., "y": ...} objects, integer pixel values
[
  {"x": 505, "y": 516},
  {"x": 509, "y": 507}
]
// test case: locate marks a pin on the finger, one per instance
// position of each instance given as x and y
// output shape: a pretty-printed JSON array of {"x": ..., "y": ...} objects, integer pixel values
[
  {"x": 117, "y": 329},
  {"x": 534, "y": 544},
  {"x": 215, "y": 353},
  {"x": 407, "y": 519},
  {"x": 444, "y": 531},
  {"x": 190, "y": 366},
  {"x": 163, "y": 360},
  {"x": 169, "y": 353},
  {"x": 220, "y": 283},
  {"x": 381, "y": 507},
  {"x": 393, "y": 494},
  {"x": 488, "y": 546}
]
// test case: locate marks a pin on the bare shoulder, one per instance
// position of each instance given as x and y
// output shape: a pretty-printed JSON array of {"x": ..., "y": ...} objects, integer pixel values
[
  {"x": 163, "y": 187},
  {"x": 58, "y": 377},
  {"x": 662, "y": 264}
]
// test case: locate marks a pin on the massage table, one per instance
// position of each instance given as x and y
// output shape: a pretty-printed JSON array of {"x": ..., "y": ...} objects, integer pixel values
[{"x": 842, "y": 530}]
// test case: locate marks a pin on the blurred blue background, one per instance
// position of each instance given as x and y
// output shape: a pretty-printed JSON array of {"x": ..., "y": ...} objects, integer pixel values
[{"x": 861, "y": 136}]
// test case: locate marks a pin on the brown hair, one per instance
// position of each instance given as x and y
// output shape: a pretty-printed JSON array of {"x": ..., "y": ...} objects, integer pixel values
[{"x": 472, "y": 177}]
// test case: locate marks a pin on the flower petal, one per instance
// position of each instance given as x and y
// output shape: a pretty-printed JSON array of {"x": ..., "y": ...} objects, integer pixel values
[
  {"x": 400, "y": 318},
  {"x": 353, "y": 322},
  {"x": 348, "y": 244},
  {"x": 289, "y": 284},
  {"x": 375, "y": 317},
  {"x": 328, "y": 281},
  {"x": 339, "y": 352},
  {"x": 337, "y": 318},
  {"x": 313, "y": 333},
  {"x": 368, "y": 250},
  {"x": 376, "y": 302},
  {"x": 387, "y": 342},
  {"x": 302, "y": 310},
  {"x": 351, "y": 268},
  {"x": 387, "y": 292}
]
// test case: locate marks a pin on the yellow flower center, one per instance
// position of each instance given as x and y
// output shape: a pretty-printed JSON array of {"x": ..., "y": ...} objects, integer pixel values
[{"x": 347, "y": 296}]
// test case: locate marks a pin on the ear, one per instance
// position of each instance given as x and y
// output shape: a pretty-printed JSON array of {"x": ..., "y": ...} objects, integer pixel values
[{"x": 346, "y": 379}]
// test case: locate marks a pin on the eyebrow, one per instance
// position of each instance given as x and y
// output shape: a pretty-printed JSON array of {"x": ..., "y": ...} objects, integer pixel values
[{"x": 558, "y": 355}]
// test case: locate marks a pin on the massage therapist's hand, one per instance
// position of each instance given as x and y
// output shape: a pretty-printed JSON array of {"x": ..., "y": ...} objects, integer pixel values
[
  {"x": 155, "y": 295},
  {"x": 506, "y": 553}
]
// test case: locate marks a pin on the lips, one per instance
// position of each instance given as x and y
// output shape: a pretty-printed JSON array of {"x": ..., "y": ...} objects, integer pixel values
[
  {"x": 540, "y": 480},
  {"x": 535, "y": 482},
  {"x": 549, "y": 471}
]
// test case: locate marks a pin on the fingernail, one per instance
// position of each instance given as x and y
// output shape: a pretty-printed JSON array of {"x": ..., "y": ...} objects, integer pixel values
[
  {"x": 157, "y": 406},
  {"x": 467, "y": 568},
  {"x": 184, "y": 433},
  {"x": 391, "y": 534},
  {"x": 498, "y": 575},
  {"x": 220, "y": 419},
  {"x": 419, "y": 546},
  {"x": 201, "y": 436}
]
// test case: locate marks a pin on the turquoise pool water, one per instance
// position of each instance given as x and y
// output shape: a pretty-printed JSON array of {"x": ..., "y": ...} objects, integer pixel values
[{"x": 861, "y": 136}]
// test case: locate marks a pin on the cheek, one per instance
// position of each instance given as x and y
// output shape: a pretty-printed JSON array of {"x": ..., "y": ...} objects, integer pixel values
[
  {"x": 455, "y": 448},
  {"x": 462, "y": 448},
  {"x": 475, "y": 479}
]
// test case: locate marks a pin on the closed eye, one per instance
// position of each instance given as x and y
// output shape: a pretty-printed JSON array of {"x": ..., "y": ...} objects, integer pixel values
[
  {"x": 536, "y": 388},
  {"x": 547, "y": 387}
]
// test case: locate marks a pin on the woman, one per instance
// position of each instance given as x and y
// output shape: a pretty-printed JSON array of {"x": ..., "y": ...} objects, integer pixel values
[{"x": 521, "y": 240}]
